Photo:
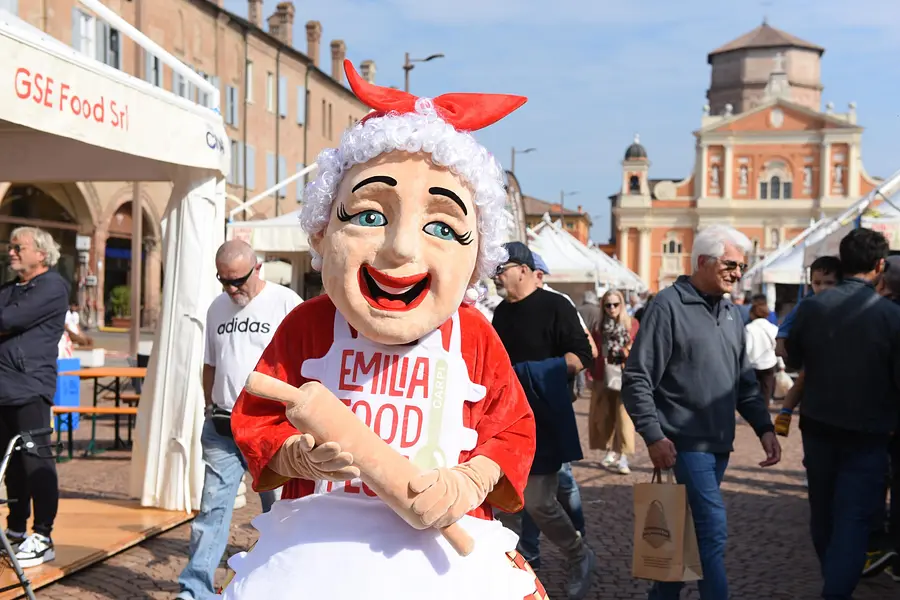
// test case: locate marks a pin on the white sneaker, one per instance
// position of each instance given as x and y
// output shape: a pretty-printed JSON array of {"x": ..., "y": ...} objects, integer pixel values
[
  {"x": 622, "y": 466},
  {"x": 35, "y": 550},
  {"x": 609, "y": 460}
]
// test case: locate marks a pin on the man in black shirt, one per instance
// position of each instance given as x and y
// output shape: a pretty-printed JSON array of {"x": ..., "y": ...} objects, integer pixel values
[
  {"x": 32, "y": 320},
  {"x": 848, "y": 341},
  {"x": 548, "y": 347}
]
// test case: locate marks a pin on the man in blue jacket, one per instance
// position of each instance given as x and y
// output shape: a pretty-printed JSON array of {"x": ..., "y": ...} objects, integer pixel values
[
  {"x": 32, "y": 320},
  {"x": 685, "y": 377}
]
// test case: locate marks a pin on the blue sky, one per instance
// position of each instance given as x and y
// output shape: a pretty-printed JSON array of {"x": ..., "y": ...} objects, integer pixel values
[{"x": 598, "y": 71}]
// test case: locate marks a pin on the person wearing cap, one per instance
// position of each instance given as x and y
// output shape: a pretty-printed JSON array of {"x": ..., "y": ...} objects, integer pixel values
[
  {"x": 547, "y": 346},
  {"x": 569, "y": 494}
]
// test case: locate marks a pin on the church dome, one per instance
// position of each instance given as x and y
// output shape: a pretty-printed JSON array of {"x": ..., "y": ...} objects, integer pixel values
[{"x": 636, "y": 151}]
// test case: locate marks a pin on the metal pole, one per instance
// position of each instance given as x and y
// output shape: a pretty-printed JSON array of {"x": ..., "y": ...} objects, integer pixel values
[
  {"x": 407, "y": 67},
  {"x": 562, "y": 210},
  {"x": 137, "y": 237},
  {"x": 136, "y": 270},
  {"x": 512, "y": 161}
]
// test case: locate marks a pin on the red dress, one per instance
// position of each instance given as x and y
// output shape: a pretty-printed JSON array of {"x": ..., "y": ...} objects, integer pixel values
[{"x": 503, "y": 420}]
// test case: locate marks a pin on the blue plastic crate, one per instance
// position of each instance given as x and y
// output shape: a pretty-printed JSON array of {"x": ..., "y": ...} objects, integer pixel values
[{"x": 68, "y": 390}]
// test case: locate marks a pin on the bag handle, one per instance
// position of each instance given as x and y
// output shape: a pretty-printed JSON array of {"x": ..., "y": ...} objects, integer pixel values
[{"x": 657, "y": 476}]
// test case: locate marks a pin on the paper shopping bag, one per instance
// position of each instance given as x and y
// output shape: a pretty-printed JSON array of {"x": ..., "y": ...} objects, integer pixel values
[{"x": 665, "y": 542}]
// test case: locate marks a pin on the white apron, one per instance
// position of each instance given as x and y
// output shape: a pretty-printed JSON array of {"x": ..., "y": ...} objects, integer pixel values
[{"x": 343, "y": 543}]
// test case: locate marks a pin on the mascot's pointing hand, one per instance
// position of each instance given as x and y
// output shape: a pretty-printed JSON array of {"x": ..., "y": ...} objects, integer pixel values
[
  {"x": 300, "y": 458},
  {"x": 443, "y": 496}
]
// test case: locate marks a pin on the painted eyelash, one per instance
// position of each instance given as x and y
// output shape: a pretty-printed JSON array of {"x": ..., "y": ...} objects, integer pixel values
[
  {"x": 464, "y": 239},
  {"x": 342, "y": 214}
]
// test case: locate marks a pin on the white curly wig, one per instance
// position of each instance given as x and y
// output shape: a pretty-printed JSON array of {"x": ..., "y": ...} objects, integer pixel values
[{"x": 421, "y": 131}]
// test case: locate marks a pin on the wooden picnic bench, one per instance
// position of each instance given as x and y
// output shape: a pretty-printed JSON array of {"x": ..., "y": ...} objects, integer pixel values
[{"x": 60, "y": 412}]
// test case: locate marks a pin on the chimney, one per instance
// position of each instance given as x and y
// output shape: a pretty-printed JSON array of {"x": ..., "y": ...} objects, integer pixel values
[
  {"x": 338, "y": 54},
  {"x": 313, "y": 35},
  {"x": 367, "y": 70},
  {"x": 281, "y": 23},
  {"x": 254, "y": 12}
]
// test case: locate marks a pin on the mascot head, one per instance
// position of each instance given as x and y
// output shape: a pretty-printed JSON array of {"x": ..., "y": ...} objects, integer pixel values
[{"x": 409, "y": 212}]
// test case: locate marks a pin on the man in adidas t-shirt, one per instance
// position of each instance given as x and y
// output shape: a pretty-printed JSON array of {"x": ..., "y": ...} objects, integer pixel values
[{"x": 239, "y": 325}]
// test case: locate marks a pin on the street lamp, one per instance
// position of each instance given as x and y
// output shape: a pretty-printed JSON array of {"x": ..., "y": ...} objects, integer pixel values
[
  {"x": 512, "y": 162},
  {"x": 562, "y": 208},
  {"x": 409, "y": 66}
]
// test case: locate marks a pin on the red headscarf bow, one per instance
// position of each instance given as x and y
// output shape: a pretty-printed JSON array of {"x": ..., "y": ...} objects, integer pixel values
[{"x": 465, "y": 112}]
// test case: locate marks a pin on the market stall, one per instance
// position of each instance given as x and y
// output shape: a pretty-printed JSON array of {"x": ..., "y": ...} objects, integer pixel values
[
  {"x": 788, "y": 264},
  {"x": 576, "y": 262},
  {"x": 67, "y": 117}
]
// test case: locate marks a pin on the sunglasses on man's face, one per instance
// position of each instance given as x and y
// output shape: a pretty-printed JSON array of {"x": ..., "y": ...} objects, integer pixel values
[
  {"x": 732, "y": 265},
  {"x": 235, "y": 283},
  {"x": 504, "y": 268},
  {"x": 17, "y": 248}
]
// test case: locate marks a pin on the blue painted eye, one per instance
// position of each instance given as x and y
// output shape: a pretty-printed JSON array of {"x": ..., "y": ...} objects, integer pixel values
[
  {"x": 369, "y": 218},
  {"x": 440, "y": 230}
]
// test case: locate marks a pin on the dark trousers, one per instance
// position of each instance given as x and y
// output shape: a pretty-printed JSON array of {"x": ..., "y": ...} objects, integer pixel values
[
  {"x": 30, "y": 478},
  {"x": 766, "y": 379},
  {"x": 846, "y": 491},
  {"x": 894, "y": 520}
]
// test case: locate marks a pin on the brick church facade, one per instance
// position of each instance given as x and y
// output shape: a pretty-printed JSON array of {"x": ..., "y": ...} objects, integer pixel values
[{"x": 768, "y": 160}]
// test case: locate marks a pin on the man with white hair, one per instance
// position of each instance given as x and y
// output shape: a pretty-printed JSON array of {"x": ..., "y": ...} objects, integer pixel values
[
  {"x": 32, "y": 320},
  {"x": 685, "y": 377},
  {"x": 240, "y": 324}
]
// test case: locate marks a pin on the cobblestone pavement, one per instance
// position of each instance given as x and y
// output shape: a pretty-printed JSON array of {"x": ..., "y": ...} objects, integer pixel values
[{"x": 769, "y": 552}]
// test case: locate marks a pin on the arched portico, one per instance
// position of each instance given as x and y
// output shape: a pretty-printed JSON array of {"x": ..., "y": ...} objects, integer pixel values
[
  {"x": 60, "y": 209},
  {"x": 111, "y": 259}
]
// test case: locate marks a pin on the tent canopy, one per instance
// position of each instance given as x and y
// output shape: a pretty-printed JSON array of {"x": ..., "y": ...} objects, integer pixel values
[
  {"x": 571, "y": 261},
  {"x": 67, "y": 117},
  {"x": 72, "y": 118},
  {"x": 788, "y": 263},
  {"x": 279, "y": 235}
]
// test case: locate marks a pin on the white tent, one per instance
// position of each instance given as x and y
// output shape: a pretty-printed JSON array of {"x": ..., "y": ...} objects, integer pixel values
[
  {"x": 278, "y": 235},
  {"x": 571, "y": 257},
  {"x": 565, "y": 261},
  {"x": 67, "y": 117},
  {"x": 789, "y": 262}
]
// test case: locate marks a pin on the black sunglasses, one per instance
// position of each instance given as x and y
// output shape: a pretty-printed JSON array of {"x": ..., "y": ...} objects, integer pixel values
[
  {"x": 731, "y": 265},
  {"x": 612, "y": 305},
  {"x": 238, "y": 282},
  {"x": 17, "y": 248}
]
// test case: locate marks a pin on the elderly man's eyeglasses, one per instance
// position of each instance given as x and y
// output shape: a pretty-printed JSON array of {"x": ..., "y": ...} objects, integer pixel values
[
  {"x": 236, "y": 283},
  {"x": 17, "y": 248},
  {"x": 732, "y": 265}
]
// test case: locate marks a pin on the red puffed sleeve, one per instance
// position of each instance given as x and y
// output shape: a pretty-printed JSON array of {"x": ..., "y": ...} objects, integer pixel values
[
  {"x": 259, "y": 425},
  {"x": 503, "y": 419}
]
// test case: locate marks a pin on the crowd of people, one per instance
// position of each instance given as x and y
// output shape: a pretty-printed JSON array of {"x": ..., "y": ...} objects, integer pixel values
[{"x": 675, "y": 369}]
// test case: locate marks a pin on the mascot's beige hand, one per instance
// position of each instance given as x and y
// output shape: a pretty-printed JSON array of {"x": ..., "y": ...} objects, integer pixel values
[
  {"x": 444, "y": 496},
  {"x": 298, "y": 458}
]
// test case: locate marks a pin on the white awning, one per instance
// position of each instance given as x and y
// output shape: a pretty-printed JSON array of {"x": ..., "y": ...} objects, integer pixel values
[
  {"x": 277, "y": 235},
  {"x": 66, "y": 117},
  {"x": 576, "y": 262},
  {"x": 788, "y": 263}
]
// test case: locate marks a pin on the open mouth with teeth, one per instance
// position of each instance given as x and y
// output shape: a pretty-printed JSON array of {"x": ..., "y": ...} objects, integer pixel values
[{"x": 392, "y": 293}]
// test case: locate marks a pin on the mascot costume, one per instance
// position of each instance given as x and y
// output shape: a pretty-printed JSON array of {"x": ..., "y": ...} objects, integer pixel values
[{"x": 388, "y": 408}]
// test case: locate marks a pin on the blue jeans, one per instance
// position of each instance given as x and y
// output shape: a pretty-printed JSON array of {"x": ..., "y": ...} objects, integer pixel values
[
  {"x": 225, "y": 467},
  {"x": 701, "y": 474},
  {"x": 846, "y": 491},
  {"x": 570, "y": 497}
]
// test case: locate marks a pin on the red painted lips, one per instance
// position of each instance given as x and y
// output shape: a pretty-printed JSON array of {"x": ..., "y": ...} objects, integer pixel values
[{"x": 385, "y": 292}]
